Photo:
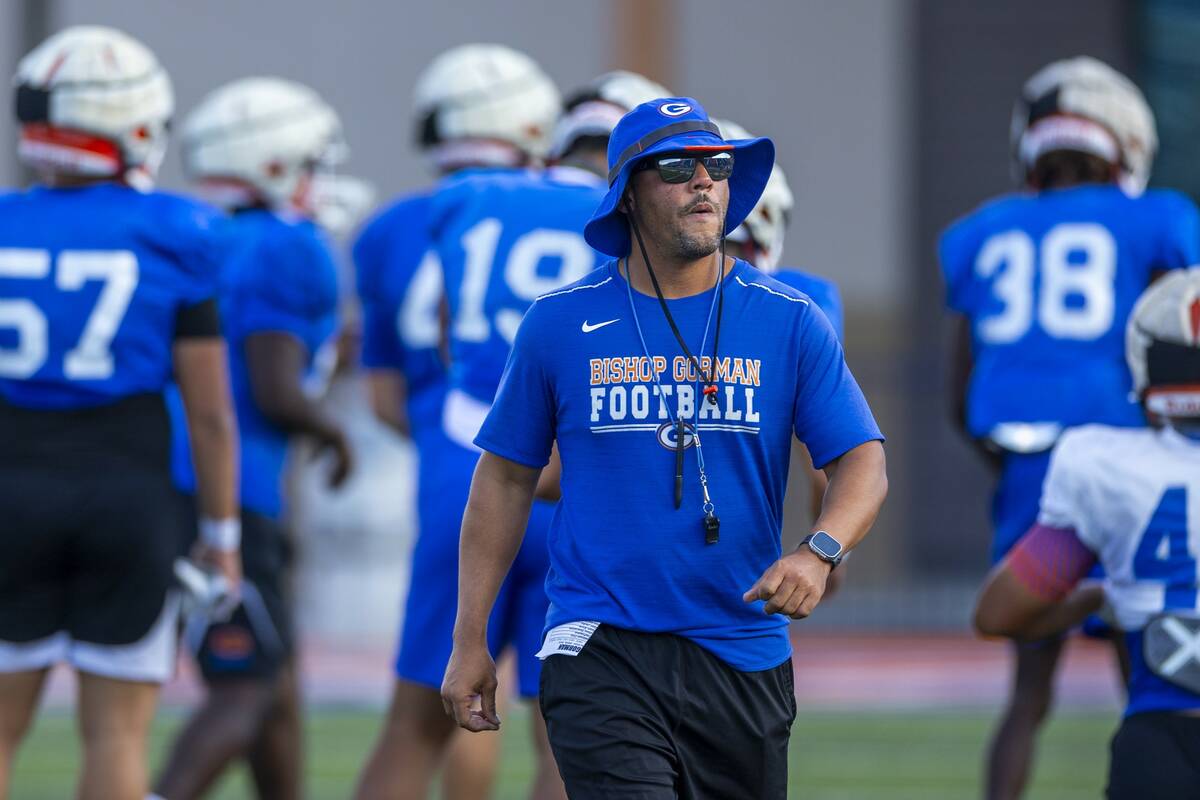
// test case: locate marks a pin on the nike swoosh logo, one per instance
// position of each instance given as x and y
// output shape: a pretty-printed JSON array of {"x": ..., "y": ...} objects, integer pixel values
[{"x": 589, "y": 328}]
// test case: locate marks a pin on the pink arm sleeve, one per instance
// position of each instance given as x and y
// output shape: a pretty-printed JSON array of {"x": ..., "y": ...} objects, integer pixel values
[{"x": 1050, "y": 561}]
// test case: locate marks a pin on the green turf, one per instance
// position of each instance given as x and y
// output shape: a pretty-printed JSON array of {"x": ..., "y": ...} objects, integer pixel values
[{"x": 851, "y": 756}]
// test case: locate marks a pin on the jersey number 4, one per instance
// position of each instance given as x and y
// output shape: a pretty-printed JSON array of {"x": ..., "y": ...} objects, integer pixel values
[
  {"x": 1165, "y": 552},
  {"x": 90, "y": 358},
  {"x": 1077, "y": 264}
]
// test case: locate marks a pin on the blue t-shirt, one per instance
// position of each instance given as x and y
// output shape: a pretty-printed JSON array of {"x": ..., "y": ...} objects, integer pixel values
[
  {"x": 400, "y": 286},
  {"x": 504, "y": 237},
  {"x": 91, "y": 281},
  {"x": 1047, "y": 282},
  {"x": 620, "y": 552},
  {"x": 821, "y": 291},
  {"x": 279, "y": 277}
]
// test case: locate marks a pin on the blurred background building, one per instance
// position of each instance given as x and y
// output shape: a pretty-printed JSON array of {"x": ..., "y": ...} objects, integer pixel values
[{"x": 890, "y": 116}]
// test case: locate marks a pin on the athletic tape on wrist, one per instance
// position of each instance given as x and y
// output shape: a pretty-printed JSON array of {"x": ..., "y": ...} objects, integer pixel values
[{"x": 221, "y": 534}]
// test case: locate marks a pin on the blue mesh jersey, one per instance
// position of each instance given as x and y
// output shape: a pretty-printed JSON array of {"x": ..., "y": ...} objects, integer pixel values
[
  {"x": 91, "y": 281},
  {"x": 1047, "y": 282},
  {"x": 821, "y": 291},
  {"x": 279, "y": 276},
  {"x": 400, "y": 286},
  {"x": 621, "y": 553},
  {"x": 505, "y": 237}
]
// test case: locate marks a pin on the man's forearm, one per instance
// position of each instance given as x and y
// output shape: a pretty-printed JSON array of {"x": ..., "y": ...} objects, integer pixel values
[
  {"x": 857, "y": 487},
  {"x": 493, "y": 527}
]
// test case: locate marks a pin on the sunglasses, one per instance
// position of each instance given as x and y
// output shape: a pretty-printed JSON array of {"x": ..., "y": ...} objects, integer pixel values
[{"x": 673, "y": 168}]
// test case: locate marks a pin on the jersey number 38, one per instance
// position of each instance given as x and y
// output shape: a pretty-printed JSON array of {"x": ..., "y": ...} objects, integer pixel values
[{"x": 1065, "y": 283}]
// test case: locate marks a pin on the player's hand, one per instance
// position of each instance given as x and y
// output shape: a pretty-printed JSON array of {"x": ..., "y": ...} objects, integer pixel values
[
  {"x": 336, "y": 444},
  {"x": 469, "y": 688},
  {"x": 228, "y": 564},
  {"x": 793, "y": 585}
]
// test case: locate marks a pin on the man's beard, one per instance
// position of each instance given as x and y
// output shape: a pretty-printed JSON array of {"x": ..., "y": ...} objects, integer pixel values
[{"x": 692, "y": 246}]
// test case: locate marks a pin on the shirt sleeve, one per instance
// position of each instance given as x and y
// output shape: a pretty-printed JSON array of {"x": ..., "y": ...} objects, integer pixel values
[
  {"x": 380, "y": 343},
  {"x": 521, "y": 423},
  {"x": 955, "y": 256},
  {"x": 1065, "y": 500},
  {"x": 831, "y": 414},
  {"x": 1181, "y": 241},
  {"x": 290, "y": 286}
]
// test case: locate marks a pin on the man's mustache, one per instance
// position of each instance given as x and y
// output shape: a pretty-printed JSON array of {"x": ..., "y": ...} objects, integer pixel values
[{"x": 690, "y": 207}]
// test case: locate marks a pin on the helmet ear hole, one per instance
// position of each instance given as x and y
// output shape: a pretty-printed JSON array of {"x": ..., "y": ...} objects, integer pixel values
[
  {"x": 275, "y": 169},
  {"x": 427, "y": 129}
]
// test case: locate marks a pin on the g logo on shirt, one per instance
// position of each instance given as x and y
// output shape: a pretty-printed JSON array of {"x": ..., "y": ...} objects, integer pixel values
[
  {"x": 667, "y": 436},
  {"x": 674, "y": 109}
]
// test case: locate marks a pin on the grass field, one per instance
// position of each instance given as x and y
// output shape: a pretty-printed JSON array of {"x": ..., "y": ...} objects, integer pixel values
[{"x": 843, "y": 756}]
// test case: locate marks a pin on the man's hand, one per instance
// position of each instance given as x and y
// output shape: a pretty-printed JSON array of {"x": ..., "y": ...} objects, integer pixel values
[
  {"x": 471, "y": 679},
  {"x": 793, "y": 585}
]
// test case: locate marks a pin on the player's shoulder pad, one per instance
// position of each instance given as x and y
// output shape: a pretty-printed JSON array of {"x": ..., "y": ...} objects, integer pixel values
[
  {"x": 290, "y": 258},
  {"x": 189, "y": 228},
  {"x": 983, "y": 218},
  {"x": 405, "y": 219},
  {"x": 1167, "y": 202},
  {"x": 1088, "y": 448}
]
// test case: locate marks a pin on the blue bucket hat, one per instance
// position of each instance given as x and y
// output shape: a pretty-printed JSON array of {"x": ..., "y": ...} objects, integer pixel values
[{"x": 672, "y": 124}]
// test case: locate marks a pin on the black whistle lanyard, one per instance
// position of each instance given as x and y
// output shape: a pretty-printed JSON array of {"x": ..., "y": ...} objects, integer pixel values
[{"x": 712, "y": 523}]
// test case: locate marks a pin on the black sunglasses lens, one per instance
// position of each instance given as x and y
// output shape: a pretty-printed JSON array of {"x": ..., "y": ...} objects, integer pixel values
[
  {"x": 676, "y": 170},
  {"x": 720, "y": 166}
]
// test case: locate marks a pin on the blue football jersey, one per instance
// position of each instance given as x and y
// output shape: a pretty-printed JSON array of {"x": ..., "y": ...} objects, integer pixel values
[
  {"x": 91, "y": 281},
  {"x": 1047, "y": 282},
  {"x": 821, "y": 291},
  {"x": 279, "y": 277},
  {"x": 400, "y": 287},
  {"x": 504, "y": 238}
]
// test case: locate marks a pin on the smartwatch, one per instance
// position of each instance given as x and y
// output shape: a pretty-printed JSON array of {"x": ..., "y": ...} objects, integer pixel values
[{"x": 827, "y": 548}]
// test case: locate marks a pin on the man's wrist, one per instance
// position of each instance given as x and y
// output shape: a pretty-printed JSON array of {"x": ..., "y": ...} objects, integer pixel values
[{"x": 222, "y": 535}]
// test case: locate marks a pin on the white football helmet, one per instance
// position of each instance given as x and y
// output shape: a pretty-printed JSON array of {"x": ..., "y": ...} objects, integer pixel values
[
  {"x": 1162, "y": 345},
  {"x": 475, "y": 97},
  {"x": 766, "y": 226},
  {"x": 596, "y": 108},
  {"x": 1084, "y": 87},
  {"x": 261, "y": 139},
  {"x": 93, "y": 101}
]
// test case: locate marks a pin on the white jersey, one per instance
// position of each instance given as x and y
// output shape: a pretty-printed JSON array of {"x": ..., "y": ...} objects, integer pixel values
[{"x": 1133, "y": 497}]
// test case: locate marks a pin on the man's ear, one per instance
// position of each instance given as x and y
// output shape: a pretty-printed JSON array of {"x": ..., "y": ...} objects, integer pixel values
[{"x": 626, "y": 203}]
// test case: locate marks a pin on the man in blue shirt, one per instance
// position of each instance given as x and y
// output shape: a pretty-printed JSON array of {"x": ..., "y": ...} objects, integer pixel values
[
  {"x": 107, "y": 294},
  {"x": 672, "y": 381},
  {"x": 1044, "y": 280},
  {"x": 257, "y": 144}
]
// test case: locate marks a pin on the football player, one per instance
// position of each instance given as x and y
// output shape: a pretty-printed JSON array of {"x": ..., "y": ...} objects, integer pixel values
[
  {"x": 259, "y": 145},
  {"x": 480, "y": 109},
  {"x": 759, "y": 240},
  {"x": 1044, "y": 280},
  {"x": 1130, "y": 501},
  {"x": 107, "y": 293}
]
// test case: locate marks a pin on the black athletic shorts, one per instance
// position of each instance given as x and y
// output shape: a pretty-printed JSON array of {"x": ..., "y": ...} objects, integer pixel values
[
  {"x": 1155, "y": 755},
  {"x": 644, "y": 716},
  {"x": 89, "y": 521},
  {"x": 258, "y": 639}
]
